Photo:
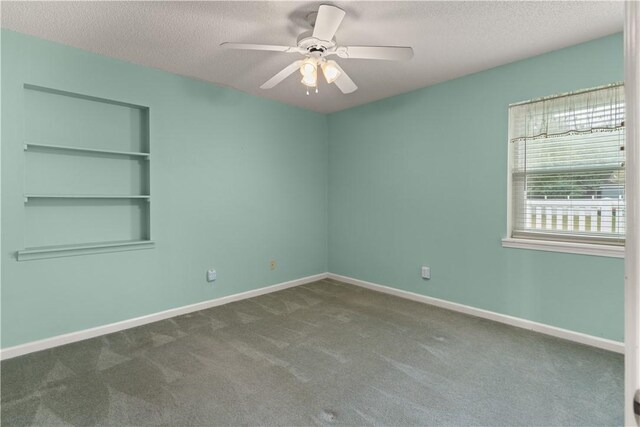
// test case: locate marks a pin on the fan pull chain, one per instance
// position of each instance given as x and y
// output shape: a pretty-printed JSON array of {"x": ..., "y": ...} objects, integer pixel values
[{"x": 308, "y": 90}]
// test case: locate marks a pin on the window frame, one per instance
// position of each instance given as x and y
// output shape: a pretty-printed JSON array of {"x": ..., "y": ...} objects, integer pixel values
[{"x": 569, "y": 245}]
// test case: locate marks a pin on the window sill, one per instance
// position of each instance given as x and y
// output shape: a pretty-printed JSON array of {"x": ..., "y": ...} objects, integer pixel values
[{"x": 566, "y": 247}]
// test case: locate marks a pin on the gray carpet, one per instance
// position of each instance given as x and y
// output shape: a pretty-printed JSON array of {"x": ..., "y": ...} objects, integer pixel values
[{"x": 320, "y": 354}]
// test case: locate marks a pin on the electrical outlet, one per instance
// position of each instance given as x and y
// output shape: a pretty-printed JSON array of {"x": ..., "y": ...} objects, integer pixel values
[
  {"x": 426, "y": 273},
  {"x": 211, "y": 275},
  {"x": 272, "y": 264}
]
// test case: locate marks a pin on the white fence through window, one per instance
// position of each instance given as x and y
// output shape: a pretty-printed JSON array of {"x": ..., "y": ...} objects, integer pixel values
[{"x": 605, "y": 216}]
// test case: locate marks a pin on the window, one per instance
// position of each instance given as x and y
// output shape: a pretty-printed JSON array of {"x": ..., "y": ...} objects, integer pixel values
[{"x": 567, "y": 173}]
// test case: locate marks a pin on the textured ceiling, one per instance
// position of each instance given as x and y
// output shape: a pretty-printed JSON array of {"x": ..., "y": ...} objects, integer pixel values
[{"x": 450, "y": 39}]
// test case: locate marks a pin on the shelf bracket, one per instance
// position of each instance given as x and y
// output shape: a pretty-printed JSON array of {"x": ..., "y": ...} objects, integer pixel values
[
  {"x": 26, "y": 147},
  {"x": 26, "y": 199}
]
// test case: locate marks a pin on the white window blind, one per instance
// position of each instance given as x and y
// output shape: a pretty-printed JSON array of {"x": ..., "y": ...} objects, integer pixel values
[{"x": 567, "y": 167}]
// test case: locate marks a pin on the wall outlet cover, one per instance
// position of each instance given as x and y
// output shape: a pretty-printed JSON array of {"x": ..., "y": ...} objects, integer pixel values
[
  {"x": 211, "y": 275},
  {"x": 426, "y": 273}
]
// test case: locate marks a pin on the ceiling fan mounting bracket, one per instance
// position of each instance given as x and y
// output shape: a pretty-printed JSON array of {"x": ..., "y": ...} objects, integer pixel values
[{"x": 311, "y": 18}]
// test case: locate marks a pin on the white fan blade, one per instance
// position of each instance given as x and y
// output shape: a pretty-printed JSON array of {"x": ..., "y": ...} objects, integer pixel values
[
  {"x": 344, "y": 82},
  {"x": 327, "y": 22},
  {"x": 290, "y": 69},
  {"x": 271, "y": 47},
  {"x": 390, "y": 53}
]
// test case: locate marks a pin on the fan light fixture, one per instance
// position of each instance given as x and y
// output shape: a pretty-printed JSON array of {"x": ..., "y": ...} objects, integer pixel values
[
  {"x": 330, "y": 71},
  {"x": 309, "y": 71}
]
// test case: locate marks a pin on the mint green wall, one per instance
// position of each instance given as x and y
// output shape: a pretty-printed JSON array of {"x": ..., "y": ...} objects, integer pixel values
[
  {"x": 236, "y": 181},
  {"x": 412, "y": 180},
  {"x": 420, "y": 179}
]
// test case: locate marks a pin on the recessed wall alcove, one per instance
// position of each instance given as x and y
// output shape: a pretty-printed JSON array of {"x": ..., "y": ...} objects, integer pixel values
[{"x": 87, "y": 165}]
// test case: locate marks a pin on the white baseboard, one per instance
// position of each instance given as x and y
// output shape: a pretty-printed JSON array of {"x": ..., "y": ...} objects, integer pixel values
[
  {"x": 59, "y": 340},
  {"x": 30, "y": 347},
  {"x": 581, "y": 338}
]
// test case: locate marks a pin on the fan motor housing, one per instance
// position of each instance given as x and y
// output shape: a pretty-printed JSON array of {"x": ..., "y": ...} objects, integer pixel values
[{"x": 314, "y": 46}]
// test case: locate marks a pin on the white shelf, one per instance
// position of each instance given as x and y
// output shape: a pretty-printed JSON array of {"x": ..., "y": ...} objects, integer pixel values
[{"x": 86, "y": 150}]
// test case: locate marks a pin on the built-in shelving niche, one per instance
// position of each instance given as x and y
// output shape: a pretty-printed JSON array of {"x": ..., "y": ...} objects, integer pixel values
[{"x": 87, "y": 165}]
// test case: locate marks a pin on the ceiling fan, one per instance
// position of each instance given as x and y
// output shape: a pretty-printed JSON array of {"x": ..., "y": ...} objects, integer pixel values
[{"x": 317, "y": 45}]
